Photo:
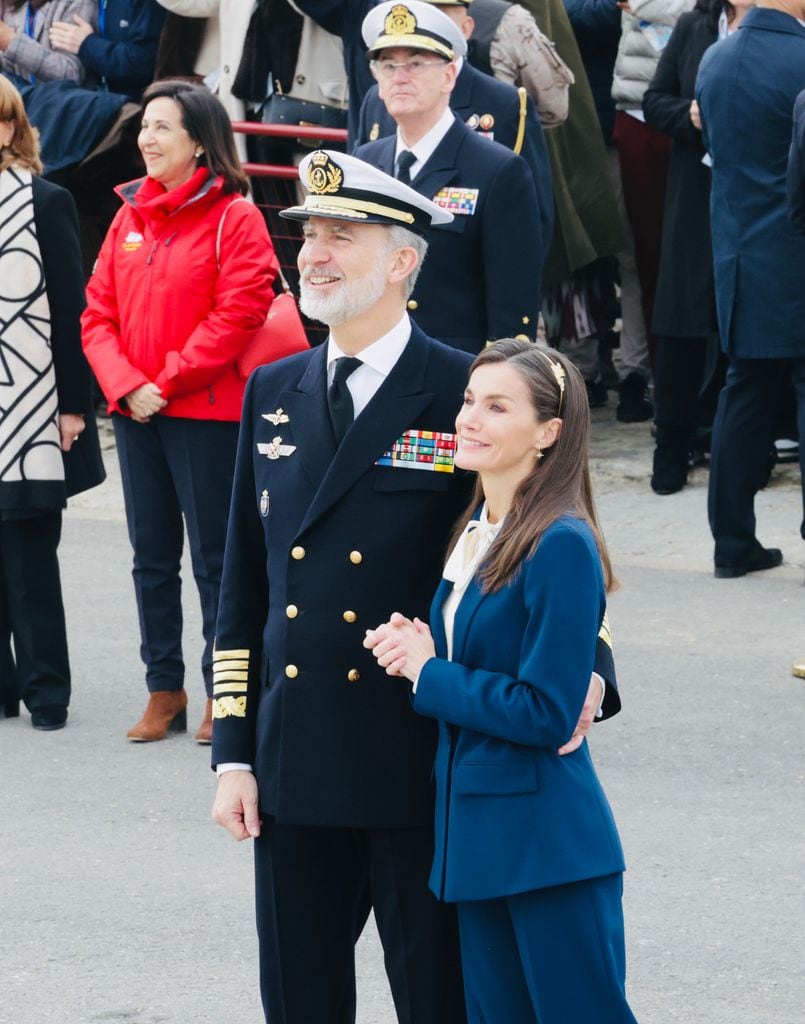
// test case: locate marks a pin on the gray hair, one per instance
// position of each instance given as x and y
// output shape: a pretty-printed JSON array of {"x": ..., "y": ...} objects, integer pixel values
[{"x": 398, "y": 237}]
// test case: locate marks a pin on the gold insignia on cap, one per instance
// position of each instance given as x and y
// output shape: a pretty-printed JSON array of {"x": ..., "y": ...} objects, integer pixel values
[
  {"x": 324, "y": 176},
  {"x": 374, "y": 134},
  {"x": 400, "y": 21}
]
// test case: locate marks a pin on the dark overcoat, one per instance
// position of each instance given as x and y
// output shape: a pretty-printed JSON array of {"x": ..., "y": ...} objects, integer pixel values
[
  {"x": 684, "y": 304},
  {"x": 475, "y": 99},
  {"x": 322, "y": 544},
  {"x": 746, "y": 88},
  {"x": 481, "y": 276}
]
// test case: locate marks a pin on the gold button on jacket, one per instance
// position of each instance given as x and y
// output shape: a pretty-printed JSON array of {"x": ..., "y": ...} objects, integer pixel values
[
  {"x": 297, "y": 553},
  {"x": 349, "y": 617},
  {"x": 355, "y": 557},
  {"x": 413, "y": 304},
  {"x": 291, "y": 671},
  {"x": 291, "y": 611},
  {"x": 353, "y": 675}
]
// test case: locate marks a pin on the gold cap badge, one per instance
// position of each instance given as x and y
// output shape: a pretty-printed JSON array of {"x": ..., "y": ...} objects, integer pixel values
[
  {"x": 324, "y": 176},
  {"x": 400, "y": 21}
]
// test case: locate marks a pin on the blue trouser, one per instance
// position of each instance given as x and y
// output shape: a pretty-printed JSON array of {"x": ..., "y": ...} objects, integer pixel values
[
  {"x": 552, "y": 956},
  {"x": 740, "y": 449},
  {"x": 174, "y": 469}
]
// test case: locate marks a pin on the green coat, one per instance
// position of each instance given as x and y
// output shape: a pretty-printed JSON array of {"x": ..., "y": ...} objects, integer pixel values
[{"x": 588, "y": 224}]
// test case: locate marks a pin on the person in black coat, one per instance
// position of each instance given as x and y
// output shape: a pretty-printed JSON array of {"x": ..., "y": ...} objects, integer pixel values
[
  {"x": 343, "y": 500},
  {"x": 684, "y": 318},
  {"x": 45, "y": 410},
  {"x": 597, "y": 27}
]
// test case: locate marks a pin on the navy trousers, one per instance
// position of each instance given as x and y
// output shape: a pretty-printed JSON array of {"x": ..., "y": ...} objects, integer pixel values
[
  {"x": 176, "y": 473},
  {"x": 553, "y": 956},
  {"x": 315, "y": 887},
  {"x": 740, "y": 449},
  {"x": 31, "y": 610}
]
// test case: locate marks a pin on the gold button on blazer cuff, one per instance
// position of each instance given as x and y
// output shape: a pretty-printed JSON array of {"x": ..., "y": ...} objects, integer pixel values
[
  {"x": 349, "y": 616},
  {"x": 297, "y": 553},
  {"x": 291, "y": 611},
  {"x": 355, "y": 557},
  {"x": 291, "y": 671},
  {"x": 353, "y": 675}
]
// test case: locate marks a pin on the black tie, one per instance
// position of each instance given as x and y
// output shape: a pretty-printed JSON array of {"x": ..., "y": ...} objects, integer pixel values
[
  {"x": 404, "y": 162},
  {"x": 338, "y": 397}
]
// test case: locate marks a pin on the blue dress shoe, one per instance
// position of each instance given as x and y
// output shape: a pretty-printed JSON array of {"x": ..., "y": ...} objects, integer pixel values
[
  {"x": 49, "y": 717},
  {"x": 761, "y": 558}
]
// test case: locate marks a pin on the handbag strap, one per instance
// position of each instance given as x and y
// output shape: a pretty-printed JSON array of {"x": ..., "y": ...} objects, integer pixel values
[{"x": 240, "y": 199}]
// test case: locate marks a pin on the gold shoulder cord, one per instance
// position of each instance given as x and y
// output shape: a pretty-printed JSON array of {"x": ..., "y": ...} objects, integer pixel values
[{"x": 518, "y": 144}]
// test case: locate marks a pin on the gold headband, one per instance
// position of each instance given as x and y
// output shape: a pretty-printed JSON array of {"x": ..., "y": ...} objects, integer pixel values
[{"x": 559, "y": 375}]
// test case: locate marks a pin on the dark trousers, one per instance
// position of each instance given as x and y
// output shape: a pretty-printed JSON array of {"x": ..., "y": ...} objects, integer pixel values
[
  {"x": 175, "y": 470},
  {"x": 31, "y": 610},
  {"x": 553, "y": 956},
  {"x": 314, "y": 890},
  {"x": 740, "y": 449}
]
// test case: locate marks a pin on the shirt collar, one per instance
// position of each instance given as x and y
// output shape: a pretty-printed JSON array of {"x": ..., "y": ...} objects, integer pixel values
[
  {"x": 382, "y": 354},
  {"x": 430, "y": 140}
]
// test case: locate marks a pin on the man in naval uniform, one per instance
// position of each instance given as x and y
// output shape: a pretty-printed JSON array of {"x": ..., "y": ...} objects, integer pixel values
[
  {"x": 492, "y": 252},
  {"x": 343, "y": 500}
]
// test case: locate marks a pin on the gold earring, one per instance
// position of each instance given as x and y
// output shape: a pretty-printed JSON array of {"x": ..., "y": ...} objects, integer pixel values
[{"x": 540, "y": 453}]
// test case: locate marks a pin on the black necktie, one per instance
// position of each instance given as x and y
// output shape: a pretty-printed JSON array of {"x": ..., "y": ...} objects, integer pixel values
[
  {"x": 404, "y": 162},
  {"x": 338, "y": 397}
]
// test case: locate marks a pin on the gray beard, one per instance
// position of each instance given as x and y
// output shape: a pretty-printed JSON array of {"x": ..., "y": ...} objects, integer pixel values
[{"x": 344, "y": 305}]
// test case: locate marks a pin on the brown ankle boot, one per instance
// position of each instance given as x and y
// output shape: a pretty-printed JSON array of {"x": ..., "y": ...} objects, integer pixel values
[
  {"x": 204, "y": 734},
  {"x": 165, "y": 713}
]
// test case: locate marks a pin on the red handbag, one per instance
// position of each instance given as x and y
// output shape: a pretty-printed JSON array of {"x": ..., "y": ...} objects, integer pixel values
[{"x": 282, "y": 334}]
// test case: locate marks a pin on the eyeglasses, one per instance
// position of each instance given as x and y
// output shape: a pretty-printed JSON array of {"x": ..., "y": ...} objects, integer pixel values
[{"x": 412, "y": 68}]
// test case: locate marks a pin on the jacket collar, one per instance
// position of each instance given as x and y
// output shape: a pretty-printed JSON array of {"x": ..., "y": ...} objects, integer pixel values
[
  {"x": 152, "y": 200},
  {"x": 770, "y": 20}
]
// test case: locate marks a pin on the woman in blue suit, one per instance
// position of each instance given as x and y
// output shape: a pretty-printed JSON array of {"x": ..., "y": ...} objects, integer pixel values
[{"x": 525, "y": 840}]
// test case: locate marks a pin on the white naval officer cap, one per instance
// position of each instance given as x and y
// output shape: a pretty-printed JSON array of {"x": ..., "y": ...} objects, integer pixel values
[
  {"x": 413, "y": 24},
  {"x": 342, "y": 187}
]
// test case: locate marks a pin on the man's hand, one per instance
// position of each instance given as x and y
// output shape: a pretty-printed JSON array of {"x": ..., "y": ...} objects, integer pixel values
[
  {"x": 592, "y": 703},
  {"x": 235, "y": 805},
  {"x": 64, "y": 36},
  {"x": 6, "y": 35}
]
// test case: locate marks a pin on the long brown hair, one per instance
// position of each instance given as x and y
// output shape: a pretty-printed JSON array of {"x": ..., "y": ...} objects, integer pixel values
[
  {"x": 560, "y": 481},
  {"x": 23, "y": 150},
  {"x": 206, "y": 122}
]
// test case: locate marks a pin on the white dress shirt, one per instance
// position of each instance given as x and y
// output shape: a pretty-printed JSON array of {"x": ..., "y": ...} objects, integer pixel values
[
  {"x": 424, "y": 149},
  {"x": 379, "y": 359}
]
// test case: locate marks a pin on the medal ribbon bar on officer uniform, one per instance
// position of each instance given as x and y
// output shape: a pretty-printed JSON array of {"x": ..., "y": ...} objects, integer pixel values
[{"x": 422, "y": 449}]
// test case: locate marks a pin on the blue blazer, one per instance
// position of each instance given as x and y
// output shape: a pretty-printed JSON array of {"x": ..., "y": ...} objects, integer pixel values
[
  {"x": 512, "y": 815},
  {"x": 746, "y": 89},
  {"x": 481, "y": 276},
  {"x": 477, "y": 95}
]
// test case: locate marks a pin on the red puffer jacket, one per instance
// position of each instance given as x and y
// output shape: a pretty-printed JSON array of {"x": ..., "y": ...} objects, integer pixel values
[{"x": 160, "y": 310}]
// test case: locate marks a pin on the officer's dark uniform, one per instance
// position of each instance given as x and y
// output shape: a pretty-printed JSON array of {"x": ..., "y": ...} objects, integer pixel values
[
  {"x": 323, "y": 543},
  {"x": 494, "y": 110},
  {"x": 491, "y": 255}
]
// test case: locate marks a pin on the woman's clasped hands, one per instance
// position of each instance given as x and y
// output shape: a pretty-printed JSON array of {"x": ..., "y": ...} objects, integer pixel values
[{"x": 401, "y": 646}]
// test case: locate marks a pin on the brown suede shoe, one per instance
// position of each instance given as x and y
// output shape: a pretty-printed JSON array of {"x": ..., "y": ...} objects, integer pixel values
[
  {"x": 165, "y": 713},
  {"x": 204, "y": 734}
]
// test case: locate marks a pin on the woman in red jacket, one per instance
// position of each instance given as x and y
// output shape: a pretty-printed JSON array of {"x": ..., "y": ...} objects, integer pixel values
[{"x": 170, "y": 308}]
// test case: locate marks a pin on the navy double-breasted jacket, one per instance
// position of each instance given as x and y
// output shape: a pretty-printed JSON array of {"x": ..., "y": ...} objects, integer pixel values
[
  {"x": 746, "y": 89},
  {"x": 512, "y": 815},
  {"x": 493, "y": 110},
  {"x": 322, "y": 544},
  {"x": 481, "y": 277}
]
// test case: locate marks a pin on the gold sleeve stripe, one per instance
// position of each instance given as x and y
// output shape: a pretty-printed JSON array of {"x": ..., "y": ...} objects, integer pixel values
[
  {"x": 605, "y": 633},
  {"x": 219, "y": 676},
  {"x": 227, "y": 655},
  {"x": 229, "y": 707},
  {"x": 222, "y": 665},
  {"x": 230, "y": 687}
]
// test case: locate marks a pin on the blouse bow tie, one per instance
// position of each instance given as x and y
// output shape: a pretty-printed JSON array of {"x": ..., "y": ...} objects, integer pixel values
[{"x": 469, "y": 551}]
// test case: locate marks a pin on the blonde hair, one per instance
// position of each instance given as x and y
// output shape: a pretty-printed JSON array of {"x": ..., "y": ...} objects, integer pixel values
[{"x": 23, "y": 150}]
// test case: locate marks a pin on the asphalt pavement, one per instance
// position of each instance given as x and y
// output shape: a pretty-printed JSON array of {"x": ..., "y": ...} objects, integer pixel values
[{"x": 121, "y": 902}]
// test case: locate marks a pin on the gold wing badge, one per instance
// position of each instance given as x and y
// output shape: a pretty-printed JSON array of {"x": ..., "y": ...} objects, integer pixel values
[
  {"x": 276, "y": 418},
  {"x": 275, "y": 449}
]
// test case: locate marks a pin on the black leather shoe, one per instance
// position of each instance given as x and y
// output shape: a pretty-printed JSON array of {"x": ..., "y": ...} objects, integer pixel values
[
  {"x": 761, "y": 558},
  {"x": 49, "y": 717}
]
